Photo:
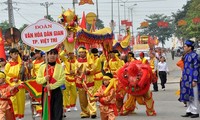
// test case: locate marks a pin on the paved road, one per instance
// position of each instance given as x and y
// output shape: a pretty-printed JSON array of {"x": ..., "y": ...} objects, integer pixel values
[{"x": 166, "y": 103}]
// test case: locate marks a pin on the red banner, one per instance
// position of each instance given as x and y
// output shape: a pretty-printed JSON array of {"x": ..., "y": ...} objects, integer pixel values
[
  {"x": 163, "y": 24},
  {"x": 196, "y": 20},
  {"x": 123, "y": 22},
  {"x": 82, "y": 2}
]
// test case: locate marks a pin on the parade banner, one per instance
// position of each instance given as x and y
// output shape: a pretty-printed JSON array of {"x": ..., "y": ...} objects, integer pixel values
[
  {"x": 44, "y": 35},
  {"x": 82, "y": 2}
]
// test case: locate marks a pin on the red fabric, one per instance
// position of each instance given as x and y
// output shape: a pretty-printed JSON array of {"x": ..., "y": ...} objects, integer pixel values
[
  {"x": 2, "y": 50},
  {"x": 81, "y": 60},
  {"x": 83, "y": 21},
  {"x": 13, "y": 63}
]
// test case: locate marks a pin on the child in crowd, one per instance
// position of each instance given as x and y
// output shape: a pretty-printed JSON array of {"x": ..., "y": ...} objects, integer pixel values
[
  {"x": 108, "y": 109},
  {"x": 6, "y": 91},
  {"x": 162, "y": 71}
]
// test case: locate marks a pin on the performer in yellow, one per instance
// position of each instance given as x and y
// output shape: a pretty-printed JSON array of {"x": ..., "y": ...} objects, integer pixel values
[
  {"x": 36, "y": 65},
  {"x": 98, "y": 76},
  {"x": 85, "y": 84},
  {"x": 70, "y": 93},
  {"x": 12, "y": 70},
  {"x": 113, "y": 66},
  {"x": 142, "y": 58},
  {"x": 114, "y": 62},
  {"x": 56, "y": 77},
  {"x": 130, "y": 57}
]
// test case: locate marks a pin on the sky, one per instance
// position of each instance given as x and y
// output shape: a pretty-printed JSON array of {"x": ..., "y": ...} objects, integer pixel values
[{"x": 29, "y": 11}]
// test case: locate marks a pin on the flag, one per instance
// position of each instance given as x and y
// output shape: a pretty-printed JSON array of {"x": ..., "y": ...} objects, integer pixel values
[
  {"x": 82, "y": 2},
  {"x": 2, "y": 50},
  {"x": 46, "y": 115},
  {"x": 128, "y": 23},
  {"x": 34, "y": 89},
  {"x": 124, "y": 22},
  {"x": 83, "y": 21}
]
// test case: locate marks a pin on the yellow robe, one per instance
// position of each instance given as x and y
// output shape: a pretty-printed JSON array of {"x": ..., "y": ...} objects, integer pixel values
[
  {"x": 12, "y": 70},
  {"x": 113, "y": 65},
  {"x": 87, "y": 103},
  {"x": 70, "y": 93},
  {"x": 98, "y": 76}
]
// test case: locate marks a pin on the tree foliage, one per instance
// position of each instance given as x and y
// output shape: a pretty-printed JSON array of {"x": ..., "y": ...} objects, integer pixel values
[
  {"x": 4, "y": 25},
  {"x": 163, "y": 33},
  {"x": 189, "y": 12}
]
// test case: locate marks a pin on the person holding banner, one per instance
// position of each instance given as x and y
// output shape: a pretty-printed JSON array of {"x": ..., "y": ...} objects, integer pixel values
[
  {"x": 85, "y": 84},
  {"x": 52, "y": 76},
  {"x": 12, "y": 71}
]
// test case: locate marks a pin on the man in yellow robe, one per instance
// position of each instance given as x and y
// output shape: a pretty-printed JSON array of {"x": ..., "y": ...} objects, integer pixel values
[
  {"x": 70, "y": 93},
  {"x": 85, "y": 84},
  {"x": 98, "y": 76}
]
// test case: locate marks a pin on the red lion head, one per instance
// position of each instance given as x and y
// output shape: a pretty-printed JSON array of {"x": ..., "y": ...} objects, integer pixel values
[{"x": 135, "y": 77}]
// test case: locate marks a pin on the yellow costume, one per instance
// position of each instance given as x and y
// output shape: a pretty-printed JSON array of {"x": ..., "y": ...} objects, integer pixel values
[
  {"x": 85, "y": 85},
  {"x": 70, "y": 93},
  {"x": 113, "y": 65},
  {"x": 98, "y": 76},
  {"x": 12, "y": 70}
]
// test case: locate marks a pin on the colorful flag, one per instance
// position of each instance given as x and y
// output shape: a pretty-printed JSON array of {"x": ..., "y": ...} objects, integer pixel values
[
  {"x": 83, "y": 21},
  {"x": 82, "y": 2},
  {"x": 2, "y": 50}
]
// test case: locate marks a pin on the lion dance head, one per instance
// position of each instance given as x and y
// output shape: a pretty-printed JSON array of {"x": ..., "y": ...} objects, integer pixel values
[{"x": 136, "y": 77}]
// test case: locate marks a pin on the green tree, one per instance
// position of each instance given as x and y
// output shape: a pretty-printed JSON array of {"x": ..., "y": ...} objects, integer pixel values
[
  {"x": 163, "y": 33},
  {"x": 50, "y": 18},
  {"x": 4, "y": 25},
  {"x": 22, "y": 27},
  {"x": 189, "y": 12}
]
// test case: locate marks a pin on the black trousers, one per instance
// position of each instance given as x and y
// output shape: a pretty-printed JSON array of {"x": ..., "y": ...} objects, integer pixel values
[
  {"x": 163, "y": 78},
  {"x": 56, "y": 104},
  {"x": 155, "y": 84}
]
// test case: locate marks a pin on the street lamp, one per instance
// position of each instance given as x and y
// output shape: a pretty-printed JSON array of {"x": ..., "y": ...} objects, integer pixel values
[
  {"x": 131, "y": 8},
  {"x": 124, "y": 8}
]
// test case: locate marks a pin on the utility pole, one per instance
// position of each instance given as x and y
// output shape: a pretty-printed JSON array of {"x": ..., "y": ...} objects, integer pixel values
[
  {"x": 46, "y": 5},
  {"x": 111, "y": 10},
  {"x": 97, "y": 9},
  {"x": 74, "y": 2},
  {"x": 119, "y": 17},
  {"x": 10, "y": 13}
]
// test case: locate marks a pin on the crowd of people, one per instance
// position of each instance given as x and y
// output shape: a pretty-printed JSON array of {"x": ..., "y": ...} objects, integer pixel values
[{"x": 65, "y": 76}]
